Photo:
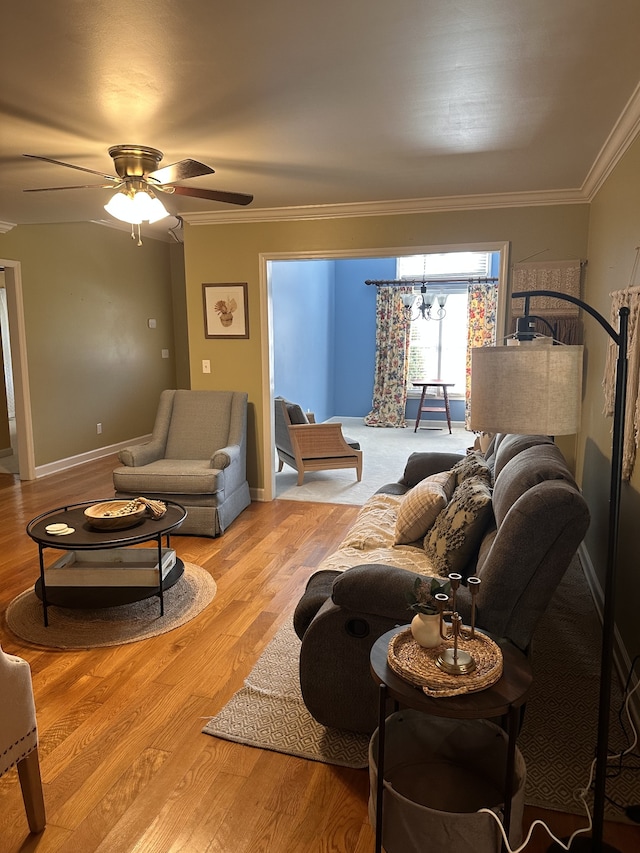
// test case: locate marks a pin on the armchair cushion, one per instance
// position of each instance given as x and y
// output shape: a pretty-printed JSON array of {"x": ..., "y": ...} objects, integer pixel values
[{"x": 296, "y": 415}]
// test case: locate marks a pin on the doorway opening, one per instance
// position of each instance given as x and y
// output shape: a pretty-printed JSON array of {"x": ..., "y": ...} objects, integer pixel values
[
  {"x": 348, "y": 346},
  {"x": 22, "y": 438}
]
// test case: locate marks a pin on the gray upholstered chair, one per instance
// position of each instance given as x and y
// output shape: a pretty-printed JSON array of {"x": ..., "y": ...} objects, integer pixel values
[
  {"x": 19, "y": 735},
  {"x": 196, "y": 457},
  {"x": 307, "y": 446}
]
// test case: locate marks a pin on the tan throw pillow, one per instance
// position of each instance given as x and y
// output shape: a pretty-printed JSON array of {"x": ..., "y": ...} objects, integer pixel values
[
  {"x": 473, "y": 465},
  {"x": 421, "y": 505},
  {"x": 457, "y": 532}
]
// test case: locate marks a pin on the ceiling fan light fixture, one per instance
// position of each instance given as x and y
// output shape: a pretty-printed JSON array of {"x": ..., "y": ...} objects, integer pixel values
[{"x": 136, "y": 206}]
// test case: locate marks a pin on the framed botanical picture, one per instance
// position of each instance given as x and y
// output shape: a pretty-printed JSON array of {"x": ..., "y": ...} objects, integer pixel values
[{"x": 226, "y": 312}]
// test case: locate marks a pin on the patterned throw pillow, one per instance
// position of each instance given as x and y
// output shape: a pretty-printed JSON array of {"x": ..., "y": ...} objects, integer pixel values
[
  {"x": 457, "y": 532},
  {"x": 473, "y": 465},
  {"x": 421, "y": 505}
]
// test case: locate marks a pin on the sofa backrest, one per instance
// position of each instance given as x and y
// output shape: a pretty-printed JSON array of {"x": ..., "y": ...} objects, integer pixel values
[
  {"x": 541, "y": 519},
  {"x": 508, "y": 446}
]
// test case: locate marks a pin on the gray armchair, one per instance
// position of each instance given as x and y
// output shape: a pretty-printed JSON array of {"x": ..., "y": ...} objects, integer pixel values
[{"x": 196, "y": 457}]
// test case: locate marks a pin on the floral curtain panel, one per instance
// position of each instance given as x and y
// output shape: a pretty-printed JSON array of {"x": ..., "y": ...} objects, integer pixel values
[
  {"x": 392, "y": 359},
  {"x": 483, "y": 302}
]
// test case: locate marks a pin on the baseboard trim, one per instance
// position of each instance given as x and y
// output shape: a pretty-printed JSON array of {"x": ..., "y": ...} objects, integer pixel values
[
  {"x": 621, "y": 659},
  {"x": 89, "y": 456}
]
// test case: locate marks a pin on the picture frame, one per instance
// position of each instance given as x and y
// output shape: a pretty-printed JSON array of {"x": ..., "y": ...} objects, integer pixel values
[{"x": 226, "y": 310}]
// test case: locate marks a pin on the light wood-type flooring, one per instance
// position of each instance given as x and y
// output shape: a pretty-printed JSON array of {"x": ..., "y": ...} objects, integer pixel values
[{"x": 124, "y": 763}]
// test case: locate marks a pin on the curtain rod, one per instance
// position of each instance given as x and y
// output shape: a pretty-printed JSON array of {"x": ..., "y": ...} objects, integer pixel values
[{"x": 398, "y": 282}]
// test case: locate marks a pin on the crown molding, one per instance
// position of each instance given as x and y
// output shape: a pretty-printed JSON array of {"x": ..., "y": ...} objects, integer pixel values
[
  {"x": 6, "y": 226},
  {"x": 623, "y": 134},
  {"x": 388, "y": 208}
]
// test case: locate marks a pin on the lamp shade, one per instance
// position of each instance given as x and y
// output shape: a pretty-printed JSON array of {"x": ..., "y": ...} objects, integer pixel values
[{"x": 527, "y": 389}]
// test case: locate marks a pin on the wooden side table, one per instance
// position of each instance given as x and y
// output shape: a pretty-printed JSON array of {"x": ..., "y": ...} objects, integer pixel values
[
  {"x": 444, "y": 407},
  {"x": 502, "y": 699}
]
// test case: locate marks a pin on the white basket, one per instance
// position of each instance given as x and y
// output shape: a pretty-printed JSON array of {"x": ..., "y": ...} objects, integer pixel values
[
  {"x": 438, "y": 773},
  {"x": 115, "y": 567}
]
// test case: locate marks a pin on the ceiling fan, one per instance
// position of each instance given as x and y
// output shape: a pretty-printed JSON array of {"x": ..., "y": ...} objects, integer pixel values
[{"x": 139, "y": 179}]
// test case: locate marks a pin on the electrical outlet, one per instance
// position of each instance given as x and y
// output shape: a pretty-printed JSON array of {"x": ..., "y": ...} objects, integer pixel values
[
  {"x": 98, "y": 429},
  {"x": 206, "y": 365},
  {"x": 165, "y": 353}
]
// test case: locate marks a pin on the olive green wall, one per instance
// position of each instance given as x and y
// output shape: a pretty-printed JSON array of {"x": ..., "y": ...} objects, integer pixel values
[
  {"x": 613, "y": 237},
  {"x": 231, "y": 253},
  {"x": 88, "y": 292}
]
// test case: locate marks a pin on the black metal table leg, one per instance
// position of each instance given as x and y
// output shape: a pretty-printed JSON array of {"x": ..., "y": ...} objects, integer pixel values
[{"x": 382, "y": 724}]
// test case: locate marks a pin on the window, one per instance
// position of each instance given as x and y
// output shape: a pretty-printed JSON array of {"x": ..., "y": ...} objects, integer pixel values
[{"x": 438, "y": 348}]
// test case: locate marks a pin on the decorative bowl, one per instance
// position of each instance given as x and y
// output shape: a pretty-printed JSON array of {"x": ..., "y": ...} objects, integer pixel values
[{"x": 114, "y": 515}]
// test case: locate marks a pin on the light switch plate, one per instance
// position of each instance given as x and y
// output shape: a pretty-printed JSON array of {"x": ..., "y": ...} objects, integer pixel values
[{"x": 206, "y": 365}]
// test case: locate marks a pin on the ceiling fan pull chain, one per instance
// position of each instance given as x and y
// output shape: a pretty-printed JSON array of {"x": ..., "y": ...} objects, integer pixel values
[{"x": 135, "y": 236}]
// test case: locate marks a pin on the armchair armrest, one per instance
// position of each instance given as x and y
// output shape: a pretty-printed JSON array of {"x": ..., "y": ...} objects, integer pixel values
[
  {"x": 142, "y": 454},
  {"x": 224, "y": 457},
  {"x": 315, "y": 441}
]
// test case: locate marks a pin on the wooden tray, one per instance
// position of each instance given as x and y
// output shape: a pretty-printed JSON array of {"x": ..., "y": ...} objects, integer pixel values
[{"x": 418, "y": 666}]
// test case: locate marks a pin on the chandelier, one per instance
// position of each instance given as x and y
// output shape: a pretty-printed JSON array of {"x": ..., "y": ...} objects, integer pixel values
[{"x": 428, "y": 305}]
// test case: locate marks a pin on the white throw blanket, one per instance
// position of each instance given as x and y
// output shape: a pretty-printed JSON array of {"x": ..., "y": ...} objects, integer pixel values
[{"x": 370, "y": 540}]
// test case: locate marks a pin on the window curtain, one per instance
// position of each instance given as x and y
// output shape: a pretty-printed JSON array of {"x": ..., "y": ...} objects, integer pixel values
[
  {"x": 392, "y": 359},
  {"x": 481, "y": 330},
  {"x": 631, "y": 298}
]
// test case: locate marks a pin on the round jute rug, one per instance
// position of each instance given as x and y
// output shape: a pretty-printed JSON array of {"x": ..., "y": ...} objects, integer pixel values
[{"x": 111, "y": 626}]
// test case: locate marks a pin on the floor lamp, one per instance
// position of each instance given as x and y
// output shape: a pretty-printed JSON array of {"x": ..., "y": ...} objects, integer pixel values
[{"x": 530, "y": 387}]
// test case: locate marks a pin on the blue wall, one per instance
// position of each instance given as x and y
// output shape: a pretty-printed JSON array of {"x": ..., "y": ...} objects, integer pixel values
[
  {"x": 324, "y": 328},
  {"x": 324, "y": 322},
  {"x": 303, "y": 334}
]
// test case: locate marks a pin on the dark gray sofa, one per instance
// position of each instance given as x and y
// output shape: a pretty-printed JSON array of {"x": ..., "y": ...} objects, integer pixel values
[{"x": 540, "y": 520}]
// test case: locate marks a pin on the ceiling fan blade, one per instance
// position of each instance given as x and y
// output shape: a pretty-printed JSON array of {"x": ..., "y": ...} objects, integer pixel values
[
  {"x": 214, "y": 195},
  {"x": 180, "y": 171},
  {"x": 80, "y": 187},
  {"x": 71, "y": 166}
]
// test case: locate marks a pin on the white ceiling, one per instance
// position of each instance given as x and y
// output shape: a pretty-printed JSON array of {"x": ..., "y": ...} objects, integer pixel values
[{"x": 316, "y": 103}]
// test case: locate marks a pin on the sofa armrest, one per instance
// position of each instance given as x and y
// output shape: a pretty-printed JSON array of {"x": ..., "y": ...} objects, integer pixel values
[
  {"x": 424, "y": 464},
  {"x": 376, "y": 589}
]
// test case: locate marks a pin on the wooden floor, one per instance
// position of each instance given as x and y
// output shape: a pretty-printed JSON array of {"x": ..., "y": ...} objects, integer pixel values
[{"x": 124, "y": 763}]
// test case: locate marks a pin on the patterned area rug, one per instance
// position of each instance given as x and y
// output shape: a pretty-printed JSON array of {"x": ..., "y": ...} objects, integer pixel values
[
  {"x": 111, "y": 626},
  {"x": 559, "y": 731},
  {"x": 269, "y": 712}
]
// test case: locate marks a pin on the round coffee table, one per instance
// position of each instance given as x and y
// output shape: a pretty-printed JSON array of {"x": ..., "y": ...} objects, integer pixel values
[{"x": 87, "y": 539}]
